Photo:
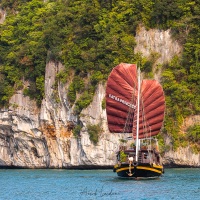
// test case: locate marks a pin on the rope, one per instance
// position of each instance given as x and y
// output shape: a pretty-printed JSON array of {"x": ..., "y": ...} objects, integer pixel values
[{"x": 129, "y": 119}]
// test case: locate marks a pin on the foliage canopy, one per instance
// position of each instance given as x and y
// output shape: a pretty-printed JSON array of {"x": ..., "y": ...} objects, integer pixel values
[{"x": 92, "y": 36}]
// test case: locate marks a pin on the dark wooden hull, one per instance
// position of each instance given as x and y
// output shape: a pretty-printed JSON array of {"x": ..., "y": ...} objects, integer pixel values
[{"x": 142, "y": 170}]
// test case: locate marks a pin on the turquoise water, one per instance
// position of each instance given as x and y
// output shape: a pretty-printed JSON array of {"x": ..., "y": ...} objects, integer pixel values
[{"x": 22, "y": 184}]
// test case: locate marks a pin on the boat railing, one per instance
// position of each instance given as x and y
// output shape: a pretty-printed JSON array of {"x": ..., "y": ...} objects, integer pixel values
[{"x": 145, "y": 155}]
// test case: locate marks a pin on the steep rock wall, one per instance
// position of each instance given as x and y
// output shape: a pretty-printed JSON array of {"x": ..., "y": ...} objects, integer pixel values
[
  {"x": 21, "y": 141},
  {"x": 40, "y": 138},
  {"x": 182, "y": 157},
  {"x": 156, "y": 41},
  {"x": 158, "y": 44}
]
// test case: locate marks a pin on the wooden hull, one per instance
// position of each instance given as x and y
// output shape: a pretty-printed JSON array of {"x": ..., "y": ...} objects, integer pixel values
[{"x": 142, "y": 170}]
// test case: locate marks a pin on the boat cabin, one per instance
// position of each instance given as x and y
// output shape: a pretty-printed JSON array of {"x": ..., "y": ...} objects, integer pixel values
[{"x": 144, "y": 156}]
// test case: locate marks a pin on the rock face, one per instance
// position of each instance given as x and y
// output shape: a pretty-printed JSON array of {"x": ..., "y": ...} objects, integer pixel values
[
  {"x": 156, "y": 45},
  {"x": 2, "y": 16},
  {"x": 156, "y": 41},
  {"x": 182, "y": 157},
  {"x": 20, "y": 138},
  {"x": 41, "y": 138},
  {"x": 32, "y": 137}
]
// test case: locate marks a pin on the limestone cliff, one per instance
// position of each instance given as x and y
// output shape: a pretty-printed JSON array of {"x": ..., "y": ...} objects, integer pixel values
[{"x": 42, "y": 137}]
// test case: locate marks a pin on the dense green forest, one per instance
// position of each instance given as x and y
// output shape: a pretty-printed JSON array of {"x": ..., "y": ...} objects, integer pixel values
[{"x": 89, "y": 37}]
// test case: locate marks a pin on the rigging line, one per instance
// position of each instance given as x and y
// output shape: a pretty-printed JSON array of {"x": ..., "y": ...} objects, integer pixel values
[
  {"x": 146, "y": 130},
  {"x": 146, "y": 126},
  {"x": 129, "y": 119},
  {"x": 143, "y": 116}
]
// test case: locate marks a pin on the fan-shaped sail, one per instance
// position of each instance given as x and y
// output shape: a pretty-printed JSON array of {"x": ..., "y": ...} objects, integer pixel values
[
  {"x": 152, "y": 106},
  {"x": 121, "y": 98}
]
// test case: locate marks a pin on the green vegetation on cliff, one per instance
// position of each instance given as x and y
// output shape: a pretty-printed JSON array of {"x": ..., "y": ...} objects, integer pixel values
[{"x": 90, "y": 37}]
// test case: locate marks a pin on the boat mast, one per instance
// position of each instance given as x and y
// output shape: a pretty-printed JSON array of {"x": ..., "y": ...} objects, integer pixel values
[{"x": 138, "y": 117}]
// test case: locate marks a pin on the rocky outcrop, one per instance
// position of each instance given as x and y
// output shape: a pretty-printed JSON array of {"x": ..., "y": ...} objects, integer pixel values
[
  {"x": 190, "y": 121},
  {"x": 2, "y": 15},
  {"x": 157, "y": 46},
  {"x": 33, "y": 137},
  {"x": 21, "y": 142},
  {"x": 156, "y": 41},
  {"x": 41, "y": 138},
  {"x": 182, "y": 157}
]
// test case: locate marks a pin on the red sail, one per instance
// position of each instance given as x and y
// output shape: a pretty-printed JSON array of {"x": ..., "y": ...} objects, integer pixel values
[
  {"x": 121, "y": 98},
  {"x": 152, "y": 107}
]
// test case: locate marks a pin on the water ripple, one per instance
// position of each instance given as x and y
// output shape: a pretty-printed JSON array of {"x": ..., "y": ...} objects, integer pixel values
[{"x": 177, "y": 184}]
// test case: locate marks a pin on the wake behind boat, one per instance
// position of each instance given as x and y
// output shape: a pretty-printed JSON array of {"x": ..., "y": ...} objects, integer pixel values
[{"x": 135, "y": 108}]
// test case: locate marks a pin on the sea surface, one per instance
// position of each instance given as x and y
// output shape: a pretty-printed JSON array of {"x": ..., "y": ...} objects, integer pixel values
[{"x": 51, "y": 184}]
